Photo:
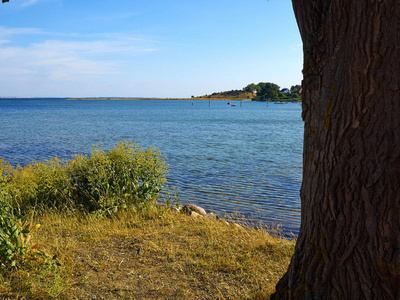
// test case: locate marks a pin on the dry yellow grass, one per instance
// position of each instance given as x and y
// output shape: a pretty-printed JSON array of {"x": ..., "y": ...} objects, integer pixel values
[{"x": 151, "y": 255}]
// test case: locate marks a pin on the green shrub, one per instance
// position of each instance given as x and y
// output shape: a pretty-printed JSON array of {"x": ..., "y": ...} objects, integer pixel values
[
  {"x": 51, "y": 182},
  {"x": 6, "y": 171},
  {"x": 106, "y": 181},
  {"x": 15, "y": 237},
  {"x": 37, "y": 185},
  {"x": 123, "y": 176},
  {"x": 21, "y": 188}
]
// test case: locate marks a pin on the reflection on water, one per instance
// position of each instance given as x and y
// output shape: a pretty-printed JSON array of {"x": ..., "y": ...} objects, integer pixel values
[{"x": 245, "y": 159}]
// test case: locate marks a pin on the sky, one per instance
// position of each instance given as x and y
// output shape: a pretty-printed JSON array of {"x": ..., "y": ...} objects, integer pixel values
[{"x": 145, "y": 48}]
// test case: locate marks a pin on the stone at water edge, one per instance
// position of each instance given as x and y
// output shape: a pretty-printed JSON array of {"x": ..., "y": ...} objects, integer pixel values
[{"x": 189, "y": 208}]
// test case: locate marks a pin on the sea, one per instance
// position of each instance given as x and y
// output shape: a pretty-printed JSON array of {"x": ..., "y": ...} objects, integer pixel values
[{"x": 241, "y": 160}]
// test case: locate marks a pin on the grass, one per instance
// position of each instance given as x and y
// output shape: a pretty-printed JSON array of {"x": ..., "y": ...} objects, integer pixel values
[
  {"x": 152, "y": 254},
  {"x": 88, "y": 228}
]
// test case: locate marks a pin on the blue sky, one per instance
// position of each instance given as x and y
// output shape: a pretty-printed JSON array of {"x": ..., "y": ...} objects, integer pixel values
[{"x": 145, "y": 48}]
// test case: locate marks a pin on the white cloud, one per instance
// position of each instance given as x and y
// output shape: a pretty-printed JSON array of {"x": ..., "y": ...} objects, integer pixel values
[
  {"x": 52, "y": 62},
  {"x": 29, "y": 2},
  {"x": 65, "y": 59},
  {"x": 15, "y": 71},
  {"x": 34, "y": 62},
  {"x": 57, "y": 48},
  {"x": 7, "y": 53},
  {"x": 5, "y": 32}
]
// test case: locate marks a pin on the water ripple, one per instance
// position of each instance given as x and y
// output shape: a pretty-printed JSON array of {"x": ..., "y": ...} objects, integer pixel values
[{"x": 247, "y": 160}]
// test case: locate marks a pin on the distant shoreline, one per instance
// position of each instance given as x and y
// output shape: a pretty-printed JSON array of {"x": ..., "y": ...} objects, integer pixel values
[
  {"x": 143, "y": 98},
  {"x": 122, "y": 98}
]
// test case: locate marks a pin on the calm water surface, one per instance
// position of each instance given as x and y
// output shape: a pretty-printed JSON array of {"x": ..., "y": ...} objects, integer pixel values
[{"x": 245, "y": 159}]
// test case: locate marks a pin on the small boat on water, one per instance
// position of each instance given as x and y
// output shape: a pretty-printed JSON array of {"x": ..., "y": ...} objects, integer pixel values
[{"x": 233, "y": 104}]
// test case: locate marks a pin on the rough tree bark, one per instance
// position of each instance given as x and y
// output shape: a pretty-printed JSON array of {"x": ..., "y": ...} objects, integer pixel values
[{"x": 349, "y": 241}]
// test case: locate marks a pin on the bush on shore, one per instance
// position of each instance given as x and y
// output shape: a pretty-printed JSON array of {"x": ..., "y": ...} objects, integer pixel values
[{"x": 104, "y": 181}]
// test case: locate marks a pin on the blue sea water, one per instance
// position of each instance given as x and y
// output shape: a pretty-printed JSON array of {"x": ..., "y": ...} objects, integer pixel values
[{"x": 245, "y": 159}]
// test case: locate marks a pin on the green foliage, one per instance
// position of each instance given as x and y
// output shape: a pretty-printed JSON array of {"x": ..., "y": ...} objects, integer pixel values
[
  {"x": 38, "y": 185},
  {"x": 6, "y": 171},
  {"x": 171, "y": 198},
  {"x": 295, "y": 88},
  {"x": 232, "y": 93},
  {"x": 252, "y": 88},
  {"x": 51, "y": 182},
  {"x": 267, "y": 91},
  {"x": 104, "y": 181},
  {"x": 295, "y": 96},
  {"x": 15, "y": 237},
  {"x": 263, "y": 90},
  {"x": 125, "y": 175}
]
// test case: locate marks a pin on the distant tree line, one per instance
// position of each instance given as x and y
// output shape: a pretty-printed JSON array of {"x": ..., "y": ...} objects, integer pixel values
[
  {"x": 232, "y": 93},
  {"x": 267, "y": 91},
  {"x": 263, "y": 91}
]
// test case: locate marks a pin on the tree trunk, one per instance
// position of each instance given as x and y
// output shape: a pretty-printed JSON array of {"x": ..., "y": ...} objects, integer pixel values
[{"x": 349, "y": 241}]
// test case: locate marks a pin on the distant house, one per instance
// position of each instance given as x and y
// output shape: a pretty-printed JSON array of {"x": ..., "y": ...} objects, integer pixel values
[{"x": 285, "y": 91}]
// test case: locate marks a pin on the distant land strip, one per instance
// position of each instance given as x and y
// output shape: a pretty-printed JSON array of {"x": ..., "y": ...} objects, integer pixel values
[{"x": 138, "y": 98}]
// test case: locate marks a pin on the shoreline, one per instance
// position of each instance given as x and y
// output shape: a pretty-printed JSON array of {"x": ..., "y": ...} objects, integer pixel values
[{"x": 183, "y": 99}]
